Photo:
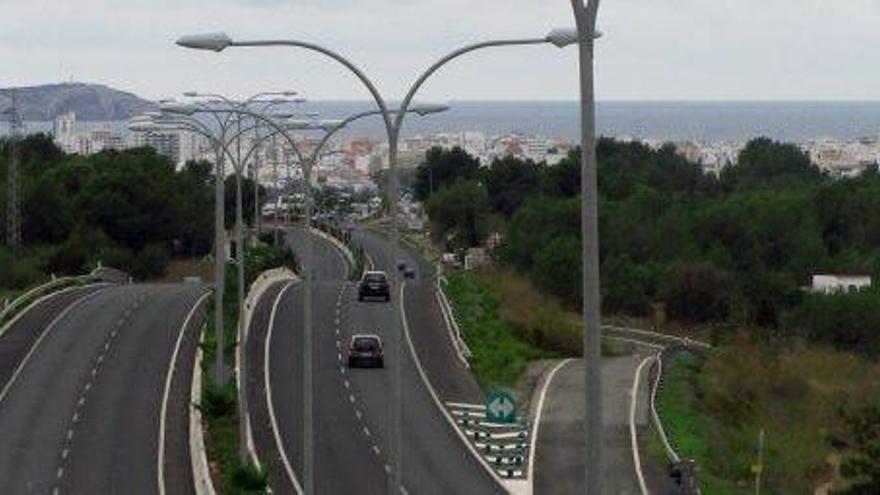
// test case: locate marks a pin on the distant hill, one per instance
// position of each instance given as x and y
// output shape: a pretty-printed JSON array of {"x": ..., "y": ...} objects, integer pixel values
[{"x": 90, "y": 102}]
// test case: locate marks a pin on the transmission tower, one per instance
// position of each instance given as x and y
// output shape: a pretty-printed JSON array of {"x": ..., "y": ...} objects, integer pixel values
[{"x": 13, "y": 207}]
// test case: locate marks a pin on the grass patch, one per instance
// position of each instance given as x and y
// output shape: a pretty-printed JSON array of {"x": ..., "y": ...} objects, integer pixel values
[
  {"x": 499, "y": 354},
  {"x": 714, "y": 409},
  {"x": 686, "y": 426},
  {"x": 507, "y": 322}
]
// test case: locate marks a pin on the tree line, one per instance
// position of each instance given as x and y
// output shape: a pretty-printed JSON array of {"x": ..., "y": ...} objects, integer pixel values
[
  {"x": 730, "y": 250},
  {"x": 129, "y": 209}
]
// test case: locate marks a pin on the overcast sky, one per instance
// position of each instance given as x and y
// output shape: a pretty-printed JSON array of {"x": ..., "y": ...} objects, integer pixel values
[{"x": 653, "y": 49}]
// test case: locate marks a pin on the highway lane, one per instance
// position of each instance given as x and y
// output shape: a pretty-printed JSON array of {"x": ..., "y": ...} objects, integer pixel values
[
  {"x": 343, "y": 461},
  {"x": 352, "y": 406},
  {"x": 24, "y": 332},
  {"x": 83, "y": 414},
  {"x": 435, "y": 458}
]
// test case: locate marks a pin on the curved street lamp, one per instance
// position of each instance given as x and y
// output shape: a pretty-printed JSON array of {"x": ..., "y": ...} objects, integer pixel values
[
  {"x": 153, "y": 121},
  {"x": 218, "y": 42}
]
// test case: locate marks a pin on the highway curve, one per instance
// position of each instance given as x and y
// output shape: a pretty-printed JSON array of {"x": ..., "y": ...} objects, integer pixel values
[
  {"x": 83, "y": 413},
  {"x": 351, "y": 406}
]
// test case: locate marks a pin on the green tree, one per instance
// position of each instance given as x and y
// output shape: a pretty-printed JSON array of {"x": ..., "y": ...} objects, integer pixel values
[
  {"x": 764, "y": 162},
  {"x": 443, "y": 168},
  {"x": 557, "y": 268},
  {"x": 460, "y": 214},
  {"x": 698, "y": 292},
  {"x": 509, "y": 181}
]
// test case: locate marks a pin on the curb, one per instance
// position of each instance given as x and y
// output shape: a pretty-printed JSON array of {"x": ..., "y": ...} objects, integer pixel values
[
  {"x": 197, "y": 452},
  {"x": 256, "y": 291},
  {"x": 336, "y": 242}
]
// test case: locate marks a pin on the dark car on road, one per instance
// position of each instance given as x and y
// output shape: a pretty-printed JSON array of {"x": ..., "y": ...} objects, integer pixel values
[
  {"x": 407, "y": 269},
  {"x": 374, "y": 285},
  {"x": 365, "y": 351}
]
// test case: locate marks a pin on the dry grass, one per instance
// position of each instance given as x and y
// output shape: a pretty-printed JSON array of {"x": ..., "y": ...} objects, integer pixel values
[
  {"x": 189, "y": 267},
  {"x": 537, "y": 318},
  {"x": 795, "y": 395}
]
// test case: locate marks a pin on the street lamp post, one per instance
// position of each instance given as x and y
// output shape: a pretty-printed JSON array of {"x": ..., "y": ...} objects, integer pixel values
[
  {"x": 220, "y": 41},
  {"x": 585, "y": 19},
  {"x": 220, "y": 152}
]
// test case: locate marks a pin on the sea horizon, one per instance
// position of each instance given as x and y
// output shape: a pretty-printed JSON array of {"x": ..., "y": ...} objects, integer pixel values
[{"x": 663, "y": 120}]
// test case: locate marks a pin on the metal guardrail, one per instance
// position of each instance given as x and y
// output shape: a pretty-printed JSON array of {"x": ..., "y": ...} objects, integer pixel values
[
  {"x": 683, "y": 471},
  {"x": 458, "y": 342},
  {"x": 55, "y": 283}
]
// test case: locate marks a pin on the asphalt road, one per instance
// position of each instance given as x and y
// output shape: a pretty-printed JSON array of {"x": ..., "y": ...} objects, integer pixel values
[
  {"x": 21, "y": 335},
  {"x": 352, "y": 406},
  {"x": 82, "y": 416},
  {"x": 559, "y": 464}
]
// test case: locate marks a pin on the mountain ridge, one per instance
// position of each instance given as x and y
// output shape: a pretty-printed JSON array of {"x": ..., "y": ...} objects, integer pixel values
[{"x": 90, "y": 102}]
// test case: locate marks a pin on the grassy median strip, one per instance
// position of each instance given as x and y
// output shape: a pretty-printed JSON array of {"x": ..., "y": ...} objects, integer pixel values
[{"x": 219, "y": 402}]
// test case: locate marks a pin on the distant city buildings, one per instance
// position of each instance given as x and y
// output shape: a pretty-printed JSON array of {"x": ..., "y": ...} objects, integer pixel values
[{"x": 352, "y": 161}]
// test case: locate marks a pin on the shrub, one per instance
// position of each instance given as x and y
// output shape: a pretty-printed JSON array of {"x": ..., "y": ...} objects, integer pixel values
[
  {"x": 151, "y": 262},
  {"x": 698, "y": 292}
]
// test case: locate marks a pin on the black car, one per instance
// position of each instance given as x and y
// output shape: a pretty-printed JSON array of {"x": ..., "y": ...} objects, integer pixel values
[
  {"x": 375, "y": 285},
  {"x": 366, "y": 350},
  {"x": 407, "y": 269}
]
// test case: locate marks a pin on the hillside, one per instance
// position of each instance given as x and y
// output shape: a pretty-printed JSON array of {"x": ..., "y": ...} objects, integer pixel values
[{"x": 91, "y": 102}]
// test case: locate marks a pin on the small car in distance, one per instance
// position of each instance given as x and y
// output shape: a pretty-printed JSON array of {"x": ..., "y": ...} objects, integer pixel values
[
  {"x": 366, "y": 351},
  {"x": 374, "y": 284},
  {"x": 407, "y": 269}
]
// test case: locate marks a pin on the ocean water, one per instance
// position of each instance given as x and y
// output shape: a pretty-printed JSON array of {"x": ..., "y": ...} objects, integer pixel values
[{"x": 671, "y": 121}]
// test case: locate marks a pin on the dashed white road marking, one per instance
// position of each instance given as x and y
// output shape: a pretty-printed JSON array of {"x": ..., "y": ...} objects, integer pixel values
[
  {"x": 69, "y": 434},
  {"x": 351, "y": 398},
  {"x": 367, "y": 432},
  {"x": 65, "y": 453},
  {"x": 357, "y": 412},
  {"x": 376, "y": 450},
  {"x": 60, "y": 473},
  {"x": 347, "y": 384}
]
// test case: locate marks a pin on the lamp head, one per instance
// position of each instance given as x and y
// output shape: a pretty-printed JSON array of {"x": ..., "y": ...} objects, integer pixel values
[
  {"x": 216, "y": 42},
  {"x": 177, "y": 109},
  {"x": 423, "y": 110},
  {"x": 563, "y": 37},
  {"x": 329, "y": 125}
]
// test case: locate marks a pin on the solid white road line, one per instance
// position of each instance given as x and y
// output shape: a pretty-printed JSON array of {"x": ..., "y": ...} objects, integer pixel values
[
  {"x": 160, "y": 459},
  {"x": 268, "y": 389},
  {"x": 533, "y": 452},
  {"x": 433, "y": 393},
  {"x": 40, "y": 339},
  {"x": 633, "y": 431}
]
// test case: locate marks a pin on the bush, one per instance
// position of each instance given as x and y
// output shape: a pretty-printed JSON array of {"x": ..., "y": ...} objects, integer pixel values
[
  {"x": 698, "y": 292},
  {"x": 77, "y": 252},
  {"x": 848, "y": 321},
  {"x": 18, "y": 272},
  {"x": 250, "y": 478},
  {"x": 218, "y": 400},
  {"x": 151, "y": 262}
]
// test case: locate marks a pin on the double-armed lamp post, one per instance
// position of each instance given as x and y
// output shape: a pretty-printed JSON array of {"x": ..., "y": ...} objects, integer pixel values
[{"x": 393, "y": 124}]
